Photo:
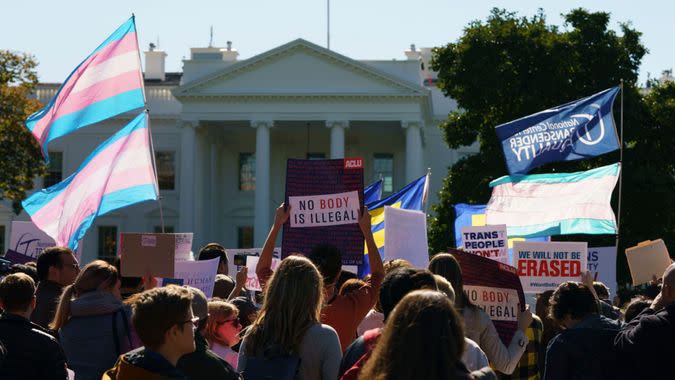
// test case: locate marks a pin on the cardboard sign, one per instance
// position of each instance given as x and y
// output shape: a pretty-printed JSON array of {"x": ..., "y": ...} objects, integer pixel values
[
  {"x": 147, "y": 253},
  {"x": 17, "y": 258},
  {"x": 324, "y": 210},
  {"x": 231, "y": 252},
  {"x": 486, "y": 241},
  {"x": 184, "y": 246},
  {"x": 405, "y": 236},
  {"x": 306, "y": 178},
  {"x": 494, "y": 287},
  {"x": 601, "y": 262},
  {"x": 647, "y": 259},
  {"x": 28, "y": 240},
  {"x": 544, "y": 266},
  {"x": 252, "y": 282},
  {"x": 198, "y": 274}
]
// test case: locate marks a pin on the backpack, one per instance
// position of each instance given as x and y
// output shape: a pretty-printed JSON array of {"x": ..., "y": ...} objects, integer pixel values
[
  {"x": 370, "y": 337},
  {"x": 272, "y": 365}
]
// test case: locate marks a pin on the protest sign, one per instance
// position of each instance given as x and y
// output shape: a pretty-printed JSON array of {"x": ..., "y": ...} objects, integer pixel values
[
  {"x": 231, "y": 252},
  {"x": 647, "y": 259},
  {"x": 174, "y": 281},
  {"x": 252, "y": 282},
  {"x": 305, "y": 178},
  {"x": 406, "y": 236},
  {"x": 486, "y": 241},
  {"x": 601, "y": 263},
  {"x": 27, "y": 241},
  {"x": 144, "y": 253},
  {"x": 544, "y": 266},
  {"x": 184, "y": 246},
  {"x": 324, "y": 210},
  {"x": 494, "y": 287},
  {"x": 198, "y": 274}
]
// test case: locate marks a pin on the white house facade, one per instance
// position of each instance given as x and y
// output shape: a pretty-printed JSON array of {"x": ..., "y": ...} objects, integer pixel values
[{"x": 223, "y": 129}]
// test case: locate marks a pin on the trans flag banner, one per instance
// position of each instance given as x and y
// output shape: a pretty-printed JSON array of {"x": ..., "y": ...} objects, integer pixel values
[
  {"x": 117, "y": 174},
  {"x": 107, "y": 83},
  {"x": 577, "y": 130}
]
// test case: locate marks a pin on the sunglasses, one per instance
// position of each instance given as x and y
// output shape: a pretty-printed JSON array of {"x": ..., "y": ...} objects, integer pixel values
[{"x": 235, "y": 322}]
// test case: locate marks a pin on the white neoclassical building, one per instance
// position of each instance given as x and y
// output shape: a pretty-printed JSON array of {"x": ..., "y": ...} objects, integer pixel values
[{"x": 223, "y": 129}]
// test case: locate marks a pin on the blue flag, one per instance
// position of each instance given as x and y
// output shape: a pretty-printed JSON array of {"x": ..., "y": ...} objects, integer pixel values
[
  {"x": 373, "y": 192},
  {"x": 577, "y": 130}
]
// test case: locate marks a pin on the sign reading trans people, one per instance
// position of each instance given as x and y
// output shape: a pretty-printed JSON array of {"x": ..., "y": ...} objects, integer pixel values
[
  {"x": 486, "y": 241},
  {"x": 574, "y": 131}
]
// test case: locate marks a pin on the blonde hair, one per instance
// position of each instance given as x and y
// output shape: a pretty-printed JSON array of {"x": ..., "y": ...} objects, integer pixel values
[
  {"x": 292, "y": 304},
  {"x": 218, "y": 309},
  {"x": 98, "y": 275}
]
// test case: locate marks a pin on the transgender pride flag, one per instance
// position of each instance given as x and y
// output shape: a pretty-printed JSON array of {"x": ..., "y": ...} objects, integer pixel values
[
  {"x": 118, "y": 173},
  {"x": 107, "y": 83}
]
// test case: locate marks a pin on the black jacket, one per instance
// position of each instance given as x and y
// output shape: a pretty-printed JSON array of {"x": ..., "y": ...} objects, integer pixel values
[
  {"x": 646, "y": 344},
  {"x": 47, "y": 294},
  {"x": 204, "y": 364},
  {"x": 32, "y": 353}
]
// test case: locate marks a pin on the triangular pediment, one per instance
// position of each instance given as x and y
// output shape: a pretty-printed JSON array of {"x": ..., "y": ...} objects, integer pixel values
[{"x": 300, "y": 68}]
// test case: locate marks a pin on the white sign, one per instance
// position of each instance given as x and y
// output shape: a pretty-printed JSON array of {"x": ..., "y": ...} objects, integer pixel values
[
  {"x": 198, "y": 274},
  {"x": 231, "y": 252},
  {"x": 405, "y": 236},
  {"x": 184, "y": 246},
  {"x": 324, "y": 210},
  {"x": 602, "y": 264},
  {"x": 26, "y": 238},
  {"x": 252, "y": 282},
  {"x": 486, "y": 241},
  {"x": 647, "y": 259},
  {"x": 500, "y": 304},
  {"x": 544, "y": 266}
]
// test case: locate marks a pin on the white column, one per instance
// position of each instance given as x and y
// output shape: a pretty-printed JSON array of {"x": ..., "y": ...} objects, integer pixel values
[
  {"x": 413, "y": 150},
  {"x": 337, "y": 137},
  {"x": 261, "y": 208},
  {"x": 187, "y": 176},
  {"x": 214, "y": 178}
]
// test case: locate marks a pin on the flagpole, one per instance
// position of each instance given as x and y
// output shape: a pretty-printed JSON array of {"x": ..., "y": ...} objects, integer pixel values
[
  {"x": 426, "y": 191},
  {"x": 618, "y": 216}
]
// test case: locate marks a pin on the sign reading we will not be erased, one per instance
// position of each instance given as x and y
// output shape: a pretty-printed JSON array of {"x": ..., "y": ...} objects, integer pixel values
[{"x": 544, "y": 266}]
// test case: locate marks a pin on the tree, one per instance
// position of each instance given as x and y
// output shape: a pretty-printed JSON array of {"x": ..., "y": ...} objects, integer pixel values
[
  {"x": 507, "y": 67},
  {"x": 21, "y": 158}
]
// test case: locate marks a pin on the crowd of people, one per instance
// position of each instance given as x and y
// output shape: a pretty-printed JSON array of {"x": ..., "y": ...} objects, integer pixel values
[{"x": 317, "y": 322}]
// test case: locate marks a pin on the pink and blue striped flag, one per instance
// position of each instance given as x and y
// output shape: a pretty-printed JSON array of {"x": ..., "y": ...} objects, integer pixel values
[
  {"x": 107, "y": 83},
  {"x": 117, "y": 174}
]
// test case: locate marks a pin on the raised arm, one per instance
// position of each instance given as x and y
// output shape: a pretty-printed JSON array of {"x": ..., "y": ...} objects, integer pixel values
[
  {"x": 264, "y": 268},
  {"x": 374, "y": 259}
]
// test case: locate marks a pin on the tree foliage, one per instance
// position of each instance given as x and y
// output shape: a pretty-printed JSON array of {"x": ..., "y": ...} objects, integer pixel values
[
  {"x": 21, "y": 158},
  {"x": 507, "y": 67}
]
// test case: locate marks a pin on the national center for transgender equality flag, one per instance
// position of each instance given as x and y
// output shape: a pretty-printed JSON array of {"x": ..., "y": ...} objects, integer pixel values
[
  {"x": 555, "y": 204},
  {"x": 117, "y": 174},
  {"x": 577, "y": 130},
  {"x": 107, "y": 83},
  {"x": 411, "y": 197}
]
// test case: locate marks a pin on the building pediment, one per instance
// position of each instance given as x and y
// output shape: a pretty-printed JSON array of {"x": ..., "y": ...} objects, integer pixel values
[{"x": 300, "y": 69}]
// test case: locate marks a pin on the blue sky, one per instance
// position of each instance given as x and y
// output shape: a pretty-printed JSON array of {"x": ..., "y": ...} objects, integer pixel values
[{"x": 61, "y": 33}]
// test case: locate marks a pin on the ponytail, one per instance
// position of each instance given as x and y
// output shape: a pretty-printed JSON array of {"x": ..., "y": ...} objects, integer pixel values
[{"x": 63, "y": 310}]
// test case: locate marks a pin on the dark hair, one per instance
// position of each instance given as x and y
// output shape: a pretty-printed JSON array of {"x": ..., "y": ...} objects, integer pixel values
[
  {"x": 601, "y": 289},
  {"x": 211, "y": 251},
  {"x": 344, "y": 277},
  {"x": 328, "y": 260},
  {"x": 401, "y": 281},
  {"x": 26, "y": 269},
  {"x": 17, "y": 291},
  {"x": 541, "y": 309},
  {"x": 223, "y": 286},
  {"x": 126, "y": 282},
  {"x": 50, "y": 257},
  {"x": 156, "y": 310},
  {"x": 423, "y": 339},
  {"x": 446, "y": 265},
  {"x": 635, "y": 307},
  {"x": 246, "y": 308},
  {"x": 574, "y": 299}
]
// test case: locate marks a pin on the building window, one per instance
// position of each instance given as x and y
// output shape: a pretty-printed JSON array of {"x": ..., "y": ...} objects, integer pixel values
[
  {"x": 167, "y": 229},
  {"x": 2, "y": 239},
  {"x": 166, "y": 170},
  {"x": 246, "y": 172},
  {"x": 316, "y": 156},
  {"x": 245, "y": 237},
  {"x": 107, "y": 243},
  {"x": 383, "y": 167},
  {"x": 55, "y": 171}
]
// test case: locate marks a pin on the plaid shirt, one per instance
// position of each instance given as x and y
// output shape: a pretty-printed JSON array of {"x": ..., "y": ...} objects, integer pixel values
[{"x": 531, "y": 364}]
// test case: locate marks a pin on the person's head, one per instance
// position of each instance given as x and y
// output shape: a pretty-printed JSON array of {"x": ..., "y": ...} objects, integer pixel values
[
  {"x": 292, "y": 304},
  {"x": 25, "y": 269},
  {"x": 551, "y": 326},
  {"x": 162, "y": 317},
  {"x": 422, "y": 339},
  {"x": 248, "y": 312},
  {"x": 200, "y": 307},
  {"x": 572, "y": 302},
  {"x": 129, "y": 285},
  {"x": 97, "y": 276},
  {"x": 445, "y": 286},
  {"x": 401, "y": 281},
  {"x": 446, "y": 265},
  {"x": 668, "y": 285},
  {"x": 343, "y": 277},
  {"x": 601, "y": 290},
  {"x": 213, "y": 250},
  {"x": 223, "y": 286},
  {"x": 390, "y": 265},
  {"x": 351, "y": 285},
  {"x": 224, "y": 326},
  {"x": 328, "y": 261},
  {"x": 635, "y": 307},
  {"x": 57, "y": 264},
  {"x": 17, "y": 294}
]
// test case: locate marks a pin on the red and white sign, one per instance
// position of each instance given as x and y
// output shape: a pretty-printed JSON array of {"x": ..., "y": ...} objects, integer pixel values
[
  {"x": 544, "y": 266},
  {"x": 354, "y": 163},
  {"x": 500, "y": 304},
  {"x": 252, "y": 282},
  {"x": 324, "y": 210}
]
